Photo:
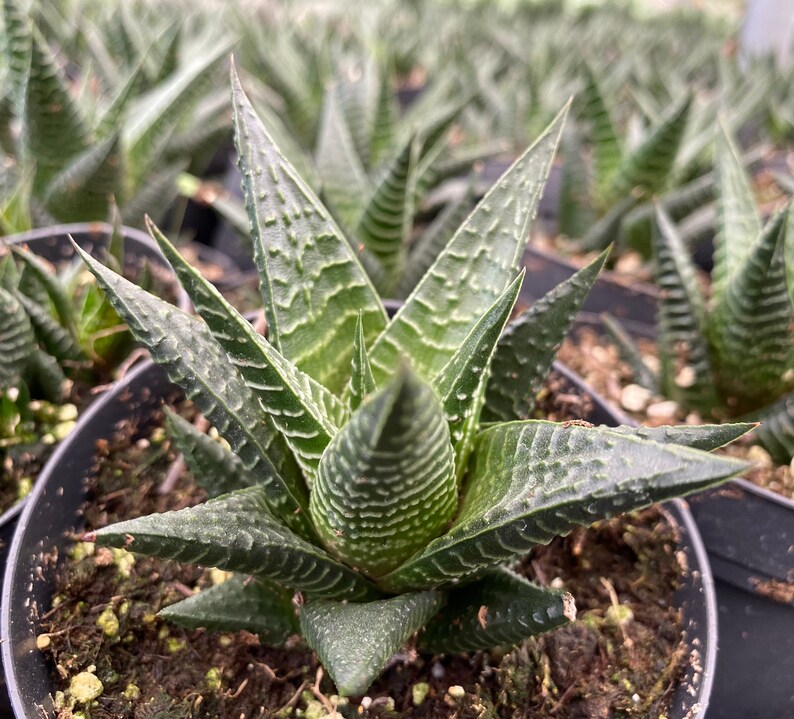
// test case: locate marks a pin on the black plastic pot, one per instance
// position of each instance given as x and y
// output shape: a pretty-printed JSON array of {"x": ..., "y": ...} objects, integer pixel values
[
  {"x": 748, "y": 533},
  {"x": 52, "y": 512},
  {"x": 52, "y": 243}
]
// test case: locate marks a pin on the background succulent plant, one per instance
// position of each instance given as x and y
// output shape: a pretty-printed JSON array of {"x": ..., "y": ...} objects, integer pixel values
[
  {"x": 119, "y": 119},
  {"x": 733, "y": 354},
  {"x": 385, "y": 469}
]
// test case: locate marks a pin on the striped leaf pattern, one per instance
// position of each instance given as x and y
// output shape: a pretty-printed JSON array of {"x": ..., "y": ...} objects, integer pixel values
[
  {"x": 474, "y": 269},
  {"x": 523, "y": 488},
  {"x": 739, "y": 224},
  {"x": 385, "y": 222},
  {"x": 386, "y": 484},
  {"x": 215, "y": 468},
  {"x": 686, "y": 371},
  {"x": 312, "y": 283},
  {"x": 235, "y": 532},
  {"x": 527, "y": 349},
  {"x": 355, "y": 641},
  {"x": 462, "y": 382},
  {"x": 306, "y": 413},
  {"x": 17, "y": 341},
  {"x": 630, "y": 354},
  {"x": 776, "y": 431},
  {"x": 646, "y": 170},
  {"x": 51, "y": 335},
  {"x": 239, "y": 603},
  {"x": 499, "y": 609},
  {"x": 195, "y": 362},
  {"x": 751, "y": 326}
]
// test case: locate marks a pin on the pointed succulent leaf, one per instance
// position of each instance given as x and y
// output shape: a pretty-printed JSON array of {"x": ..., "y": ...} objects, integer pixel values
[
  {"x": 197, "y": 363},
  {"x": 153, "y": 195},
  {"x": 53, "y": 129},
  {"x": 215, "y": 468},
  {"x": 362, "y": 384},
  {"x": 386, "y": 484},
  {"x": 312, "y": 283},
  {"x": 17, "y": 341},
  {"x": 354, "y": 641},
  {"x": 384, "y": 122},
  {"x": 531, "y": 481},
  {"x": 46, "y": 372},
  {"x": 50, "y": 334},
  {"x": 338, "y": 165},
  {"x": 527, "y": 349},
  {"x": 706, "y": 437},
  {"x": 752, "y": 320},
  {"x": 607, "y": 153},
  {"x": 49, "y": 281},
  {"x": 304, "y": 411},
  {"x": 607, "y": 229},
  {"x": 686, "y": 372},
  {"x": 776, "y": 431},
  {"x": 462, "y": 382},
  {"x": 236, "y": 532},
  {"x": 385, "y": 223},
  {"x": 630, "y": 353},
  {"x": 113, "y": 116},
  {"x": 239, "y": 603},
  {"x": 475, "y": 268},
  {"x": 500, "y": 608},
  {"x": 646, "y": 169},
  {"x": 739, "y": 224},
  {"x": 82, "y": 190}
]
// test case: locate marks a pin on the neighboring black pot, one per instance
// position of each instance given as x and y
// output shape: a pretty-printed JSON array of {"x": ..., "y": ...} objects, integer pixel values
[
  {"x": 52, "y": 243},
  {"x": 748, "y": 533},
  {"x": 633, "y": 303},
  {"x": 53, "y": 512}
]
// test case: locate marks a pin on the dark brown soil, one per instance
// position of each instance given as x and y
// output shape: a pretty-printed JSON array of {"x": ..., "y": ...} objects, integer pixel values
[
  {"x": 597, "y": 360},
  {"x": 620, "y": 659}
]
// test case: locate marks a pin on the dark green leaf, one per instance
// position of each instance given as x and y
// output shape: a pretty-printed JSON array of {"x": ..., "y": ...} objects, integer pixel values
[{"x": 362, "y": 383}]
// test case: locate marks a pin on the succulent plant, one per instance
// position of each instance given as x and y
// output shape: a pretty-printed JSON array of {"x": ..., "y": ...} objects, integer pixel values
[
  {"x": 733, "y": 355},
  {"x": 387, "y": 471},
  {"x": 123, "y": 126}
]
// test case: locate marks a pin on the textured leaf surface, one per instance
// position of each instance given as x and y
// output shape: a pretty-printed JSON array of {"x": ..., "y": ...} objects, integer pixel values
[
  {"x": 647, "y": 168},
  {"x": 17, "y": 341},
  {"x": 197, "y": 363},
  {"x": 304, "y": 411},
  {"x": 239, "y": 603},
  {"x": 685, "y": 365},
  {"x": 576, "y": 214},
  {"x": 385, "y": 223},
  {"x": 531, "y": 481},
  {"x": 354, "y": 641},
  {"x": 527, "y": 349},
  {"x": 706, "y": 437},
  {"x": 739, "y": 224},
  {"x": 362, "y": 384},
  {"x": 214, "y": 467},
  {"x": 386, "y": 484},
  {"x": 776, "y": 432},
  {"x": 607, "y": 152},
  {"x": 312, "y": 284},
  {"x": 462, "y": 382},
  {"x": 752, "y": 324},
  {"x": 501, "y": 608},
  {"x": 474, "y": 269},
  {"x": 50, "y": 334},
  {"x": 235, "y": 532}
]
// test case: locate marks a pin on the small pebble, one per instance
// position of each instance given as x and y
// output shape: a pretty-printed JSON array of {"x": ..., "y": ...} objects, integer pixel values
[
  {"x": 43, "y": 641},
  {"x": 635, "y": 398},
  {"x": 758, "y": 455},
  {"x": 419, "y": 692},
  {"x": 85, "y": 687},
  {"x": 666, "y": 409},
  {"x": 456, "y": 691}
]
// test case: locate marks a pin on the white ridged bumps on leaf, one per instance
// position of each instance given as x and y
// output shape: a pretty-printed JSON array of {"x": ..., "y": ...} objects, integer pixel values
[
  {"x": 530, "y": 481},
  {"x": 354, "y": 641},
  {"x": 236, "y": 532},
  {"x": 313, "y": 285},
  {"x": 17, "y": 341},
  {"x": 386, "y": 484}
]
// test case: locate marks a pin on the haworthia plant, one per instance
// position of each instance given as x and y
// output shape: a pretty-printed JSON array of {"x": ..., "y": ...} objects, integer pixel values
[
  {"x": 734, "y": 355},
  {"x": 410, "y": 497}
]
